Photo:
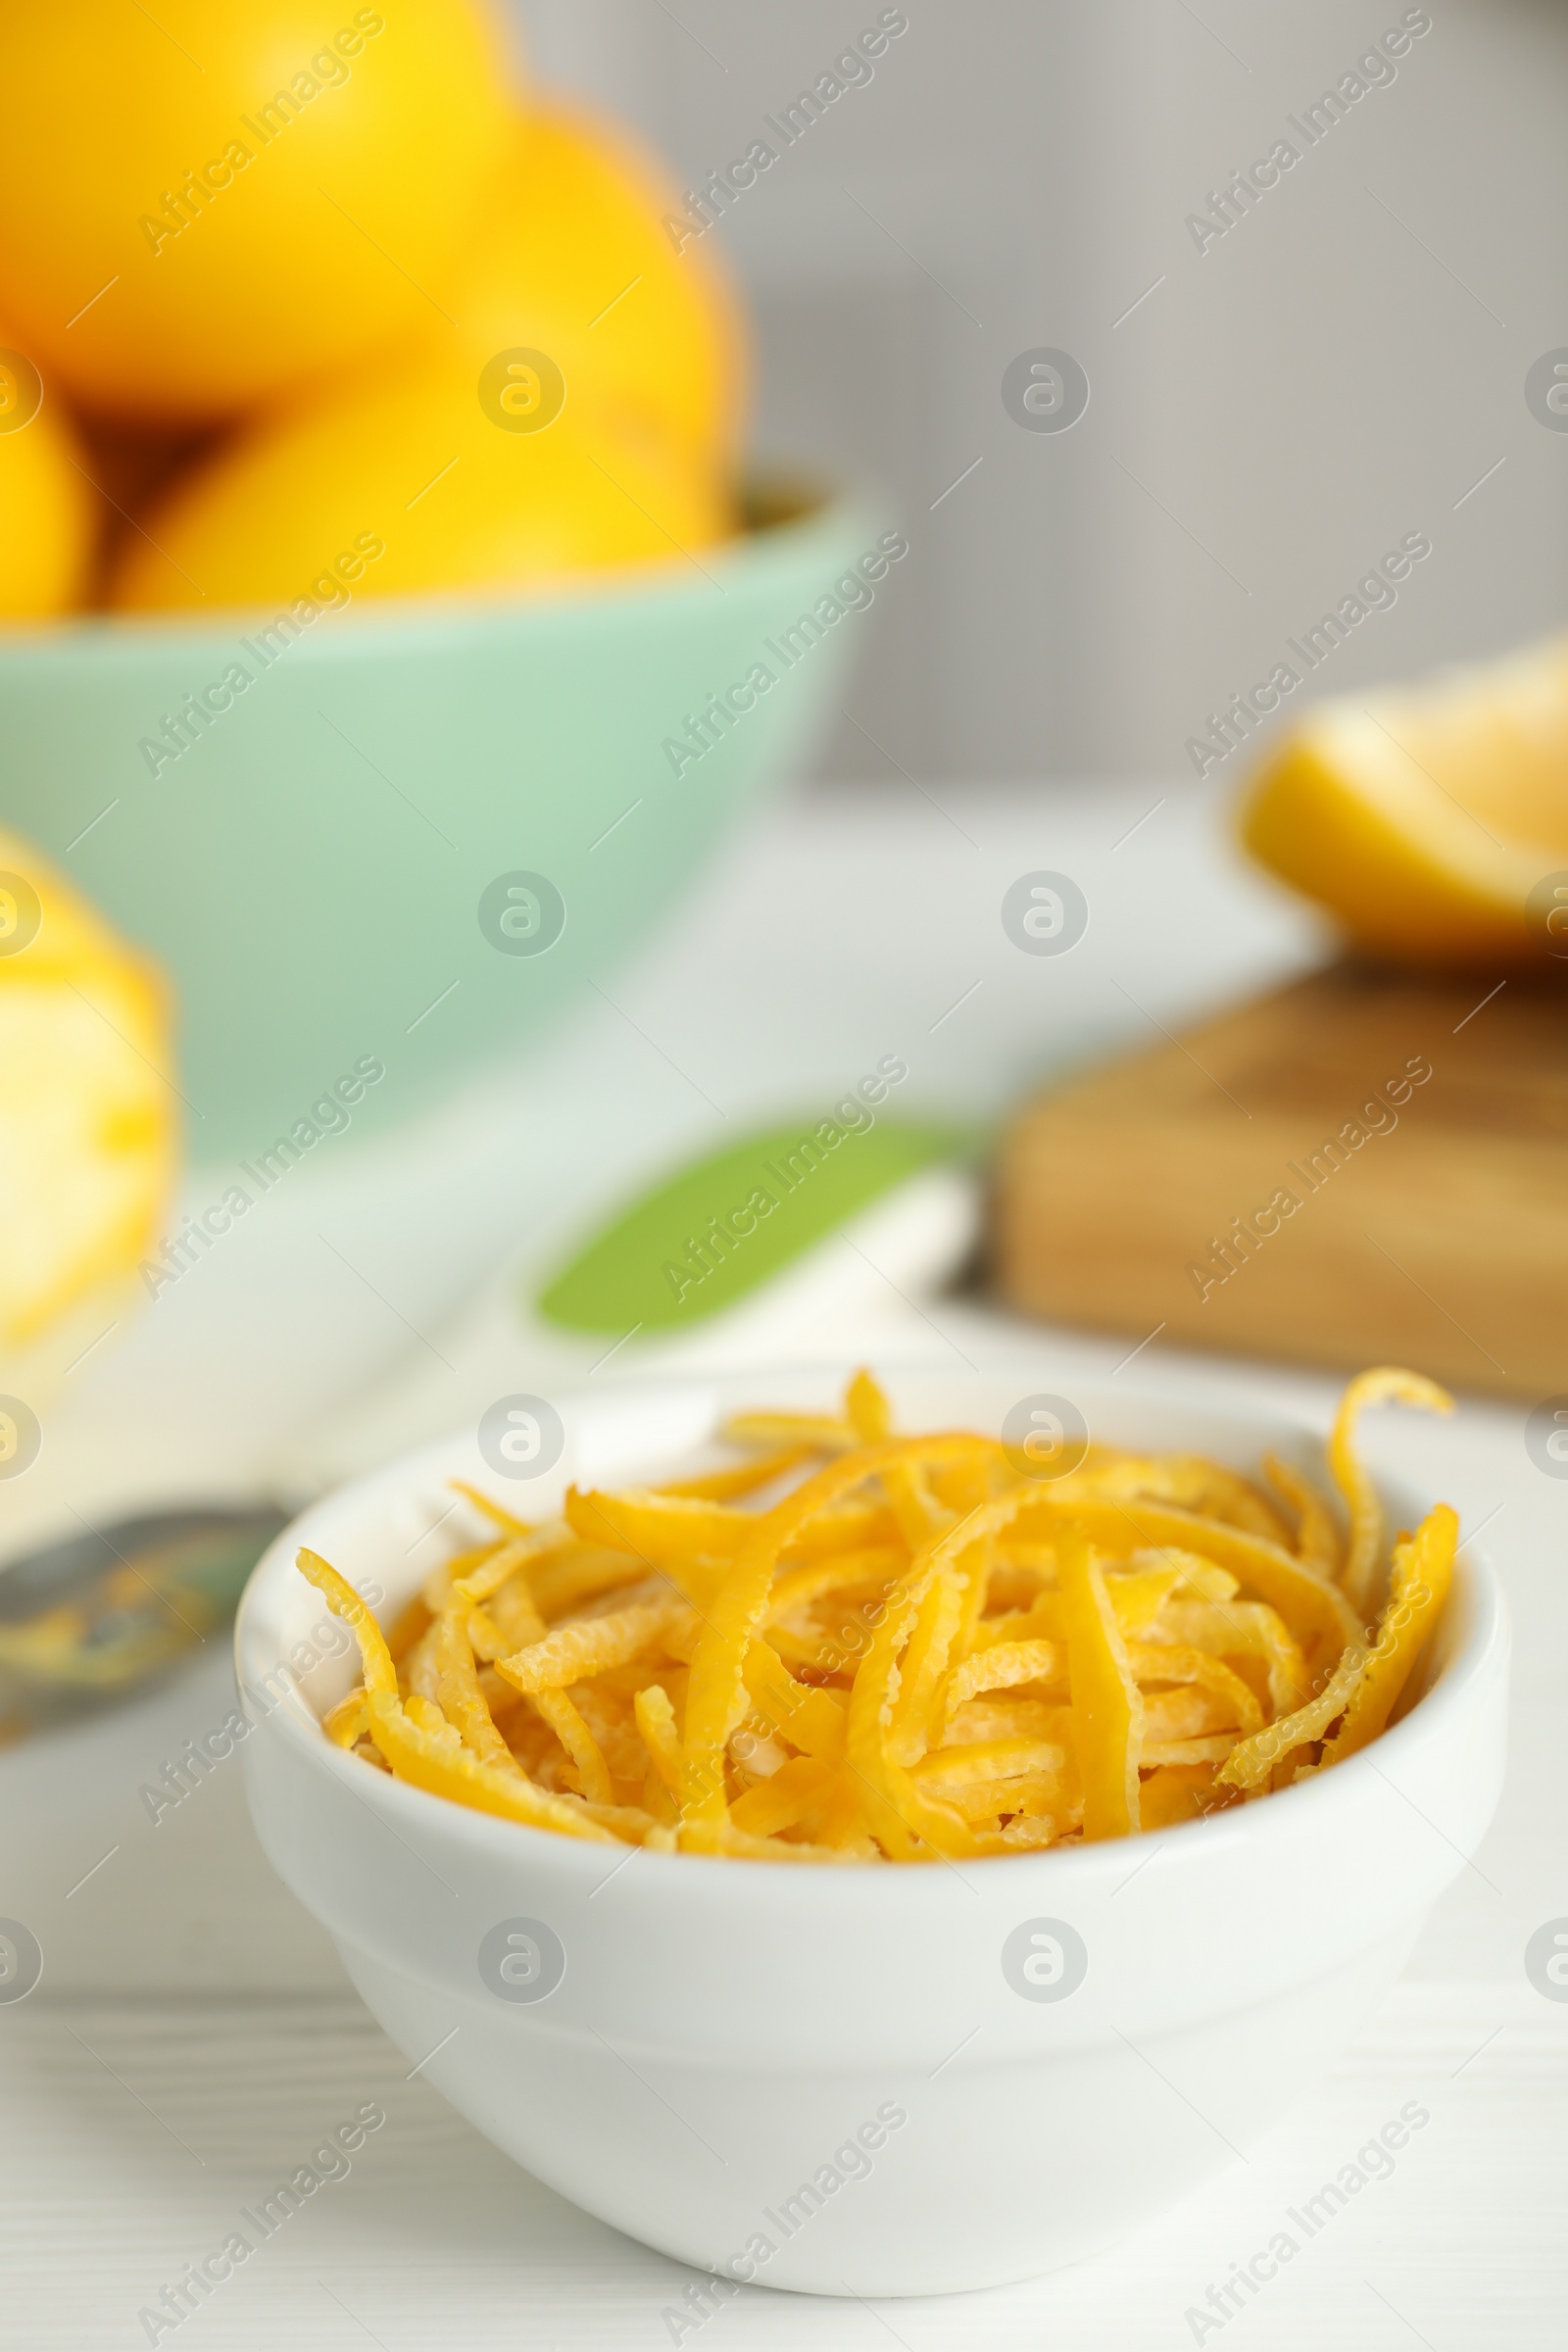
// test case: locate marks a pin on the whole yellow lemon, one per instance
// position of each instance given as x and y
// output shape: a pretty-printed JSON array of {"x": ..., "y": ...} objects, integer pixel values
[
  {"x": 412, "y": 477},
  {"x": 88, "y": 1137},
  {"x": 211, "y": 199},
  {"x": 45, "y": 502},
  {"x": 571, "y": 256}
]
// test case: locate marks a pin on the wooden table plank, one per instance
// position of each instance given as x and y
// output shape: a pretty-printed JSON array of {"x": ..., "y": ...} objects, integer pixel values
[{"x": 135, "y": 2132}]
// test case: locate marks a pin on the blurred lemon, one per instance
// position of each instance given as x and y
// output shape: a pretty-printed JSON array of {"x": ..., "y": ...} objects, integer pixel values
[
  {"x": 87, "y": 1136},
  {"x": 45, "y": 502},
  {"x": 572, "y": 257},
  {"x": 210, "y": 199},
  {"x": 416, "y": 477},
  {"x": 1433, "y": 823}
]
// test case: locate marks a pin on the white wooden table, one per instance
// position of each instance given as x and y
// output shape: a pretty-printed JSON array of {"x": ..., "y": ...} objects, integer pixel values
[
  {"x": 194, "y": 2038},
  {"x": 134, "y": 2134}
]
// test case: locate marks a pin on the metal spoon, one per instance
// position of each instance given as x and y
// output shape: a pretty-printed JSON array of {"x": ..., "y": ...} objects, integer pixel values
[{"x": 90, "y": 1621}]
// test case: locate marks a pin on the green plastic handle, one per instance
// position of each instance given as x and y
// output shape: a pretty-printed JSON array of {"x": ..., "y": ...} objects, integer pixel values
[{"x": 714, "y": 1231}]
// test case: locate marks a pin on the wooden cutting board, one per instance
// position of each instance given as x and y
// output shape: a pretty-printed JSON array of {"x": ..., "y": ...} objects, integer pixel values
[{"x": 1361, "y": 1168}]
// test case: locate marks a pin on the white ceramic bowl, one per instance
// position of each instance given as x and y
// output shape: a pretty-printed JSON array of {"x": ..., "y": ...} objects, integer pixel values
[{"x": 824, "y": 2078}]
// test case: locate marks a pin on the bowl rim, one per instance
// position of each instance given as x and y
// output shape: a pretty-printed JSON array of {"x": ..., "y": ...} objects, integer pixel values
[
  {"x": 829, "y": 507},
  {"x": 487, "y": 1839}
]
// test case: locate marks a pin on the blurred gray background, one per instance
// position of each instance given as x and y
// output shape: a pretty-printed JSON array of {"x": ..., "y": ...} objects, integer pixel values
[{"x": 1337, "y": 370}]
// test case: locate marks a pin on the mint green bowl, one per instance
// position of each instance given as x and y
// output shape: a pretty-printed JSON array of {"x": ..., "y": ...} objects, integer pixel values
[{"x": 310, "y": 869}]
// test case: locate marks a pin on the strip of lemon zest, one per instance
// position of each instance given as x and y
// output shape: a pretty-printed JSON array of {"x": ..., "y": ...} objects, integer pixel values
[
  {"x": 1176, "y": 1662},
  {"x": 1423, "y": 1572},
  {"x": 784, "y": 1798},
  {"x": 1385, "y": 1385},
  {"x": 988, "y": 1760},
  {"x": 1318, "y": 1614},
  {"x": 1319, "y": 1544},
  {"x": 716, "y": 1696},
  {"x": 349, "y": 1721},
  {"x": 999, "y": 1667},
  {"x": 576, "y": 1651},
  {"x": 431, "y": 1759},
  {"x": 724, "y": 1485},
  {"x": 492, "y": 1510},
  {"x": 654, "y": 1718},
  {"x": 1107, "y": 1705}
]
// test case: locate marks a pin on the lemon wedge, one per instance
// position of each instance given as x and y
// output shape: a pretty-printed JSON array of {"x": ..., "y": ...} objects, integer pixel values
[
  {"x": 1433, "y": 823},
  {"x": 87, "y": 1132}
]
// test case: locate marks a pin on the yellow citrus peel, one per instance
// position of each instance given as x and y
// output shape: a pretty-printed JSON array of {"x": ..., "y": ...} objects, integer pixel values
[{"x": 856, "y": 1645}]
